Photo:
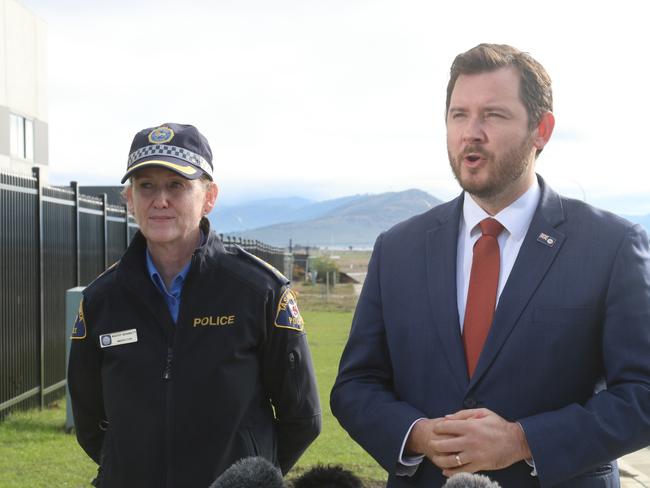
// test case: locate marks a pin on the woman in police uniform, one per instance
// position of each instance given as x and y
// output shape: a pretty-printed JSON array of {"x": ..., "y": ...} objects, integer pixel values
[{"x": 185, "y": 357}]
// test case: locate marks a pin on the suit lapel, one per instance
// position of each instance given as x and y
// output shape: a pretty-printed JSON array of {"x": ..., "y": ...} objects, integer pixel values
[
  {"x": 441, "y": 249},
  {"x": 537, "y": 253}
]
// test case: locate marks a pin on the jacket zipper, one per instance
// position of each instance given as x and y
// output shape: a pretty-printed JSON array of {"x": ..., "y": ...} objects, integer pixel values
[
  {"x": 293, "y": 363},
  {"x": 167, "y": 373},
  {"x": 167, "y": 377}
]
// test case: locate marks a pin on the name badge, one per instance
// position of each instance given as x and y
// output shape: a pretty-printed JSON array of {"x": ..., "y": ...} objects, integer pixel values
[{"x": 118, "y": 338}]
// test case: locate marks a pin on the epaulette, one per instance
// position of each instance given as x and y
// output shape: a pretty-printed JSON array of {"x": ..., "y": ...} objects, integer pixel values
[{"x": 263, "y": 264}]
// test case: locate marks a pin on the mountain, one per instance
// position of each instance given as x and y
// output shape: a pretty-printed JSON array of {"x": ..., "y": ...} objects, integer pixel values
[
  {"x": 354, "y": 220},
  {"x": 253, "y": 214},
  {"x": 351, "y": 221},
  {"x": 260, "y": 213}
]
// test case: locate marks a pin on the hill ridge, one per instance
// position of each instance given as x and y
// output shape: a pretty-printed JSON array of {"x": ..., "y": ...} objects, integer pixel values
[{"x": 348, "y": 221}]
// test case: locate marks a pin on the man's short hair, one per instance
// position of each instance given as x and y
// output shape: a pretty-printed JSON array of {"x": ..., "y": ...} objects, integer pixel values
[
  {"x": 535, "y": 85},
  {"x": 328, "y": 477}
]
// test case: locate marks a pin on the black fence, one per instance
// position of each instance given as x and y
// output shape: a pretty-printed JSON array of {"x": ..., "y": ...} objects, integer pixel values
[
  {"x": 278, "y": 257},
  {"x": 51, "y": 240}
]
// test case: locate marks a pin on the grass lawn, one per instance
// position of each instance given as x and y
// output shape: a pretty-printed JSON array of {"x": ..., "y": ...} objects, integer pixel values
[
  {"x": 327, "y": 333},
  {"x": 36, "y": 452}
]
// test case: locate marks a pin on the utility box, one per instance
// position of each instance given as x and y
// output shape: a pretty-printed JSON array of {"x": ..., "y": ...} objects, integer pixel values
[{"x": 72, "y": 301}]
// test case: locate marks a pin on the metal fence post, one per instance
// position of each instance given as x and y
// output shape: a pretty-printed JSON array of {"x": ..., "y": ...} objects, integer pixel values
[
  {"x": 327, "y": 286},
  {"x": 287, "y": 261},
  {"x": 105, "y": 231},
  {"x": 77, "y": 238},
  {"x": 36, "y": 171}
]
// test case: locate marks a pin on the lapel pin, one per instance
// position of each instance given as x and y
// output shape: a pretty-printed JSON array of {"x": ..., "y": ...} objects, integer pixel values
[{"x": 546, "y": 239}]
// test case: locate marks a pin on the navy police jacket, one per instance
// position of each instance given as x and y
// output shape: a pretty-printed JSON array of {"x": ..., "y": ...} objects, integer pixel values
[{"x": 159, "y": 404}]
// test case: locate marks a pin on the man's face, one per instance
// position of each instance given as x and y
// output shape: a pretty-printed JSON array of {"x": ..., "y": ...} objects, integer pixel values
[
  {"x": 490, "y": 146},
  {"x": 168, "y": 207}
]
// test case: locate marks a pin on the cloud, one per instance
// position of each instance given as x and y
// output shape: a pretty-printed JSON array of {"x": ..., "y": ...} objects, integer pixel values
[{"x": 334, "y": 95}]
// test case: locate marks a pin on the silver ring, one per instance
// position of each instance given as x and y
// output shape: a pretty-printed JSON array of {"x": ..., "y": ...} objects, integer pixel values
[{"x": 457, "y": 456}]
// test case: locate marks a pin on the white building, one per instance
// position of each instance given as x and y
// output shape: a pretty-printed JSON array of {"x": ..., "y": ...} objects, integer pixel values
[{"x": 23, "y": 89}]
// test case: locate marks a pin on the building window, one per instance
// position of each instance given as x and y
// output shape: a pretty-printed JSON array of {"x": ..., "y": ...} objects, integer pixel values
[{"x": 21, "y": 137}]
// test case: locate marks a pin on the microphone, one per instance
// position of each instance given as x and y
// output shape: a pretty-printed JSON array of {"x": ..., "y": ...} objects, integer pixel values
[
  {"x": 327, "y": 477},
  {"x": 250, "y": 472},
  {"x": 466, "y": 480}
]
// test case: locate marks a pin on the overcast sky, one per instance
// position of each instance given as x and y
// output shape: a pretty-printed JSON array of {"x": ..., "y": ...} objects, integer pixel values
[{"x": 324, "y": 98}]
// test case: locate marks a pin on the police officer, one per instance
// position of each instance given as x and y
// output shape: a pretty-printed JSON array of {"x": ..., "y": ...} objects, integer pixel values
[{"x": 186, "y": 357}]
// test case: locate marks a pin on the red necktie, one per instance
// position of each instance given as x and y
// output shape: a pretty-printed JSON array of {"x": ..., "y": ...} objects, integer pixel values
[{"x": 482, "y": 293}]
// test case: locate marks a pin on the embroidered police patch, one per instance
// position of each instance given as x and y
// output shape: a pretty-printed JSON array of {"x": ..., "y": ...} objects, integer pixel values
[
  {"x": 79, "y": 329},
  {"x": 288, "y": 316},
  {"x": 160, "y": 135}
]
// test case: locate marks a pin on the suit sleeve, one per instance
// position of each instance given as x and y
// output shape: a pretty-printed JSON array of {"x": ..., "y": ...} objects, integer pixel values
[
  {"x": 290, "y": 380},
  {"x": 616, "y": 420},
  {"x": 363, "y": 398},
  {"x": 85, "y": 385}
]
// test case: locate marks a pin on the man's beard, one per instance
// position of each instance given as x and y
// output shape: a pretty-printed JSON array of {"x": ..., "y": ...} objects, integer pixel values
[{"x": 502, "y": 172}]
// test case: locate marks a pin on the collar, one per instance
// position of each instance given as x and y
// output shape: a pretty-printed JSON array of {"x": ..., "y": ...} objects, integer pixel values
[
  {"x": 179, "y": 279},
  {"x": 132, "y": 271},
  {"x": 515, "y": 218},
  {"x": 177, "y": 282}
]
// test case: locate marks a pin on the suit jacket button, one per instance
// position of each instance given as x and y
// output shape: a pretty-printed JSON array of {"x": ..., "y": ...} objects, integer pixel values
[{"x": 469, "y": 403}]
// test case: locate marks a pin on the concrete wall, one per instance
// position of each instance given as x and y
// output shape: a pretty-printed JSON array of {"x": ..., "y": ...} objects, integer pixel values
[
  {"x": 23, "y": 80},
  {"x": 4, "y": 134},
  {"x": 41, "y": 142}
]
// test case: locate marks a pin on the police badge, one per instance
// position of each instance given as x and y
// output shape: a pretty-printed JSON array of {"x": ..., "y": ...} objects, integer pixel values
[
  {"x": 161, "y": 135},
  {"x": 288, "y": 316}
]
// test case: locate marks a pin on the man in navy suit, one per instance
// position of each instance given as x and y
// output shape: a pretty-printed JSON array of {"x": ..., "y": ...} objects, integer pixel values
[{"x": 559, "y": 384}]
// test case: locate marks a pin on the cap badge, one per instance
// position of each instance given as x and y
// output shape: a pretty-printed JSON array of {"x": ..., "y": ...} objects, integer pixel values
[{"x": 161, "y": 135}]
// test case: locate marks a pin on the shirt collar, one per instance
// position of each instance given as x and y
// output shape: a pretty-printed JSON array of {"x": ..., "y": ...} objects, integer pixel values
[
  {"x": 179, "y": 279},
  {"x": 515, "y": 218},
  {"x": 177, "y": 282}
]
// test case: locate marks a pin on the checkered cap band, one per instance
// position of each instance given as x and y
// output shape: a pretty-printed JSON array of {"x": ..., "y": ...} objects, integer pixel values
[{"x": 171, "y": 151}]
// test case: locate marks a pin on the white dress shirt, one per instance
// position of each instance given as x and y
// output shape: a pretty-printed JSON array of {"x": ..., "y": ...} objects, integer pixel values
[{"x": 516, "y": 219}]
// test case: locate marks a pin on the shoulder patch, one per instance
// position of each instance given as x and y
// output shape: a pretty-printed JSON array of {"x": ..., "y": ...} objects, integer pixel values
[
  {"x": 79, "y": 329},
  {"x": 288, "y": 316},
  {"x": 260, "y": 262}
]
